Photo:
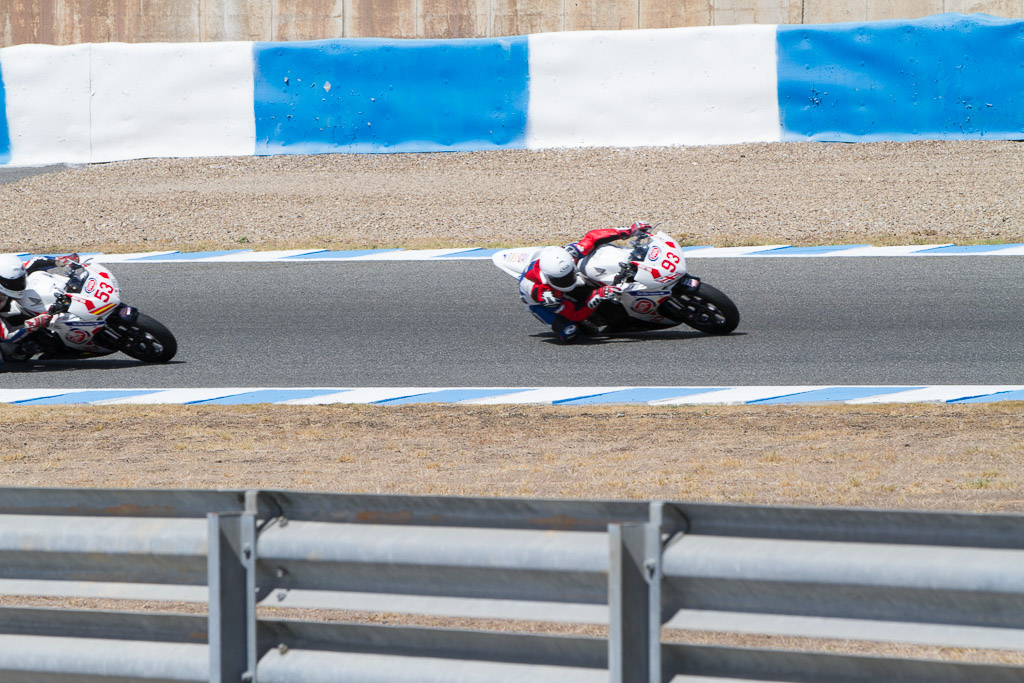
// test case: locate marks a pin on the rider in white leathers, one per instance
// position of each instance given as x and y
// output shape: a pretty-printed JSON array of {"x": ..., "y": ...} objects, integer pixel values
[
  {"x": 555, "y": 293},
  {"x": 13, "y": 276}
]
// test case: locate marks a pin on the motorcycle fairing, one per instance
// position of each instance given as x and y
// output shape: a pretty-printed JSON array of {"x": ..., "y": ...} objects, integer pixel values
[
  {"x": 88, "y": 311},
  {"x": 515, "y": 262},
  {"x": 643, "y": 305}
]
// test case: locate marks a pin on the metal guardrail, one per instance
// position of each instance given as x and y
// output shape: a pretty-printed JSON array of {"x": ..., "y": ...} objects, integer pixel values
[{"x": 895, "y": 577}]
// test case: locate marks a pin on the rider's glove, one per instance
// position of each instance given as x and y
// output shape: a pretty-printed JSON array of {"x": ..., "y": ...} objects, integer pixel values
[
  {"x": 605, "y": 293},
  {"x": 635, "y": 229},
  {"x": 548, "y": 299},
  {"x": 38, "y": 322},
  {"x": 66, "y": 260}
]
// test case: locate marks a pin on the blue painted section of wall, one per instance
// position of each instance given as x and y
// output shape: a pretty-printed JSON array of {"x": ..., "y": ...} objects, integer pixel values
[
  {"x": 390, "y": 95},
  {"x": 5, "y": 136},
  {"x": 949, "y": 76}
]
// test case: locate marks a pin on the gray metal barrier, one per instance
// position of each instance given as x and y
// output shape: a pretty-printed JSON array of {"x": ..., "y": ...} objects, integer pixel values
[{"x": 945, "y": 579}]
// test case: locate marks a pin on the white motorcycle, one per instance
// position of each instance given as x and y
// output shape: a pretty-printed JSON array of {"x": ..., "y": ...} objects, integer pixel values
[
  {"x": 89, "y": 319},
  {"x": 657, "y": 292}
]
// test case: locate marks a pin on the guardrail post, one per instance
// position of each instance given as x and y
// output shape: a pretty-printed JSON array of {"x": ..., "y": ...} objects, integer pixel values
[
  {"x": 231, "y": 565},
  {"x": 634, "y": 594},
  {"x": 666, "y": 524},
  {"x": 629, "y": 602}
]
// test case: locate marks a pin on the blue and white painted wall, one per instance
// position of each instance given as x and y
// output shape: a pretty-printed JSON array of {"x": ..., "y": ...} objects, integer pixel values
[{"x": 950, "y": 76}]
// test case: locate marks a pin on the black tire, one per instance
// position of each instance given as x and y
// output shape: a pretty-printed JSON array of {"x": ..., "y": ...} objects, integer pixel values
[
  {"x": 708, "y": 310},
  {"x": 149, "y": 341}
]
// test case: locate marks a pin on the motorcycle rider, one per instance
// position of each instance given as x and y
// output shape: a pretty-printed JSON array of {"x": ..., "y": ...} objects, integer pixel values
[
  {"x": 553, "y": 290},
  {"x": 13, "y": 276}
]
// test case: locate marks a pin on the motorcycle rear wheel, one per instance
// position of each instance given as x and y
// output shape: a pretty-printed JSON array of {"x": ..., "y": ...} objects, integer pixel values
[
  {"x": 708, "y": 310},
  {"x": 149, "y": 341}
]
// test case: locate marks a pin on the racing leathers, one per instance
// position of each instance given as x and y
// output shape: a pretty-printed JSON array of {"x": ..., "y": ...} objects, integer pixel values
[
  {"x": 13, "y": 323},
  {"x": 10, "y": 333},
  {"x": 564, "y": 310}
]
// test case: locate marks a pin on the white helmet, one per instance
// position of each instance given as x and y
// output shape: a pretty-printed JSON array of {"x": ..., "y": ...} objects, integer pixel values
[
  {"x": 12, "y": 276},
  {"x": 559, "y": 268}
]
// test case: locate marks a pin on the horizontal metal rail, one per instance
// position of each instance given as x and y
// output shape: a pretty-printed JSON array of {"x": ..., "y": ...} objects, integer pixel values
[
  {"x": 31, "y": 659},
  {"x": 491, "y": 513},
  {"x": 686, "y": 663},
  {"x": 700, "y": 519},
  {"x": 546, "y": 650},
  {"x": 346, "y": 667},
  {"x": 118, "y": 502},
  {"x": 564, "y": 566},
  {"x": 77, "y": 623},
  {"x": 848, "y": 629},
  {"x": 121, "y": 549},
  {"x": 918, "y": 584}
]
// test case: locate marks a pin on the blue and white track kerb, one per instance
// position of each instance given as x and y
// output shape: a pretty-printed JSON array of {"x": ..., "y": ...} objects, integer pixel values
[
  {"x": 474, "y": 253},
  {"x": 550, "y": 396}
]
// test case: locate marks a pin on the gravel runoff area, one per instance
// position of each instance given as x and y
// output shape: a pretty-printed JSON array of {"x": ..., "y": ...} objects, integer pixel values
[{"x": 781, "y": 193}]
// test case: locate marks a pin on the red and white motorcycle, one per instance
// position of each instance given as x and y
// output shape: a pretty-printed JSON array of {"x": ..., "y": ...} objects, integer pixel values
[
  {"x": 657, "y": 292},
  {"x": 89, "y": 319}
]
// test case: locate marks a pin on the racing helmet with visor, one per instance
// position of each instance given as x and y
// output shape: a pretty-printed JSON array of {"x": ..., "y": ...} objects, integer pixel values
[
  {"x": 559, "y": 268},
  {"x": 12, "y": 276}
]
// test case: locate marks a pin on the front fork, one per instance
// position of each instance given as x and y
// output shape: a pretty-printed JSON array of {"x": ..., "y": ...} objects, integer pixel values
[
  {"x": 118, "y": 324},
  {"x": 671, "y": 307}
]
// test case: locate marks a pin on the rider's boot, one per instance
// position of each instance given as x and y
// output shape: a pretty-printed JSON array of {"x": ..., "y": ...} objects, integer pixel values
[{"x": 566, "y": 330}]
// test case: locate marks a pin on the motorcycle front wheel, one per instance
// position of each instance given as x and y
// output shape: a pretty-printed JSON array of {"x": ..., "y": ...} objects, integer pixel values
[
  {"x": 708, "y": 310},
  {"x": 149, "y": 341}
]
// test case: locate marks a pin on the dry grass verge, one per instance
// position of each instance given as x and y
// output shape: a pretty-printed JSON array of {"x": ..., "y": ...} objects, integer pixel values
[{"x": 962, "y": 457}]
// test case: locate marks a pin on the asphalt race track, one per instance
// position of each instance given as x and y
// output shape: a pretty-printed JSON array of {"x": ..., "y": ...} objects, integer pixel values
[
  {"x": 913, "y": 320},
  {"x": 10, "y": 175}
]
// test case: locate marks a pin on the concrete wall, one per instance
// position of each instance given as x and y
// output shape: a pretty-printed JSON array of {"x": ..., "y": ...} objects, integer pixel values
[
  {"x": 66, "y": 22},
  {"x": 941, "y": 77}
]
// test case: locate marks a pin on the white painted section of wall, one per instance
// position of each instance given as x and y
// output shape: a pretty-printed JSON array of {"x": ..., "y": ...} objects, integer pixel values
[
  {"x": 172, "y": 100},
  {"x": 110, "y": 101},
  {"x": 47, "y": 93},
  {"x": 685, "y": 86}
]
